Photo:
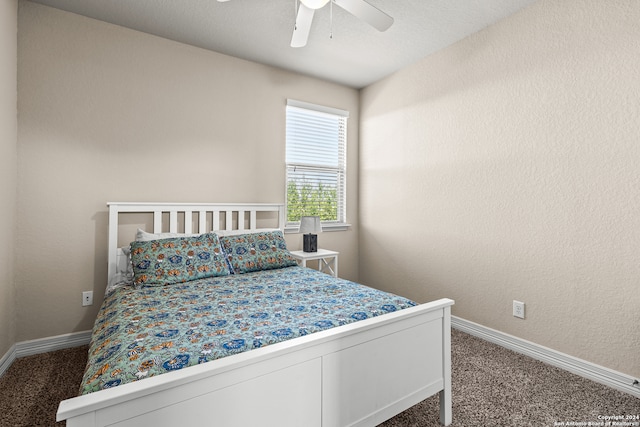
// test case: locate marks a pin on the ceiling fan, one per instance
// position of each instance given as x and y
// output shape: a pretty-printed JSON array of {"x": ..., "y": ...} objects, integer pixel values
[{"x": 358, "y": 8}]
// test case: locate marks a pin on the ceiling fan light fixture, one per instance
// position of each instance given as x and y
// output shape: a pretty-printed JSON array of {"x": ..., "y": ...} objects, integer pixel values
[
  {"x": 359, "y": 8},
  {"x": 314, "y": 4}
]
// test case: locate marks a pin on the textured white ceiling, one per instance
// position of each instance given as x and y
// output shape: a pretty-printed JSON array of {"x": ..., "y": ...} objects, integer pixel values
[{"x": 260, "y": 31}]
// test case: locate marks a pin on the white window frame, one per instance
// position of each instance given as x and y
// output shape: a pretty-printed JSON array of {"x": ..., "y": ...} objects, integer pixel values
[{"x": 341, "y": 223}]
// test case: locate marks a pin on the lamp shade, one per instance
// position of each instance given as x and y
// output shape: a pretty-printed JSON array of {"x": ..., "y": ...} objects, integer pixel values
[{"x": 310, "y": 224}]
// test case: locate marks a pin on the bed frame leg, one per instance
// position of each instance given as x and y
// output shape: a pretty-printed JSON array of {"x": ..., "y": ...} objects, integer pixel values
[{"x": 446, "y": 408}]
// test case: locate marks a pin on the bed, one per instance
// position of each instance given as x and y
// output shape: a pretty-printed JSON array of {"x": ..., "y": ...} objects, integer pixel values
[{"x": 318, "y": 351}]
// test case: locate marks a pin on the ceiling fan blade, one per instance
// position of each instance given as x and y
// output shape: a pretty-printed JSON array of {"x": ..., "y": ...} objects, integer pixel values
[
  {"x": 302, "y": 27},
  {"x": 368, "y": 13}
]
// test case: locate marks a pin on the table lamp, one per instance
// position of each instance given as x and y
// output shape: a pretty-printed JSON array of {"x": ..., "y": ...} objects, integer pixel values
[{"x": 309, "y": 226}]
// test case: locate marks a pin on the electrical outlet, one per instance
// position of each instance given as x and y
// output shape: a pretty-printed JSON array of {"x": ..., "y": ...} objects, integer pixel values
[
  {"x": 87, "y": 298},
  {"x": 518, "y": 309}
]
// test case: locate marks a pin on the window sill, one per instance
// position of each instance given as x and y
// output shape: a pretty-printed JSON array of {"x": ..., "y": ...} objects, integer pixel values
[{"x": 325, "y": 228}]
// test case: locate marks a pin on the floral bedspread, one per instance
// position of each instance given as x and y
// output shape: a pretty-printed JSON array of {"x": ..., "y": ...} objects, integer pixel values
[{"x": 144, "y": 332}]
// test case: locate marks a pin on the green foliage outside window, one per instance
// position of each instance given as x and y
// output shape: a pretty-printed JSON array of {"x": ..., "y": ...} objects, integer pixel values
[{"x": 307, "y": 199}]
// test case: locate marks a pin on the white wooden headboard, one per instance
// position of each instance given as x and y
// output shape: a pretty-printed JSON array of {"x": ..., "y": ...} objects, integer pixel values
[{"x": 192, "y": 218}]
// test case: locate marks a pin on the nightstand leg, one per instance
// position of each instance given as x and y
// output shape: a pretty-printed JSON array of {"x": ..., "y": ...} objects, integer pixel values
[{"x": 330, "y": 267}]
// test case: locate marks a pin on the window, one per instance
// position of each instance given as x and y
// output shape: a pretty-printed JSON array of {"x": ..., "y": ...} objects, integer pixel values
[{"x": 316, "y": 163}]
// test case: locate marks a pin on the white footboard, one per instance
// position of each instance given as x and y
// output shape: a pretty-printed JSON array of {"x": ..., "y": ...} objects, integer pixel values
[{"x": 355, "y": 375}]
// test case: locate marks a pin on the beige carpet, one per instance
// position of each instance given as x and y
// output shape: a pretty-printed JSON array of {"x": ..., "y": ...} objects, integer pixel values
[{"x": 491, "y": 387}]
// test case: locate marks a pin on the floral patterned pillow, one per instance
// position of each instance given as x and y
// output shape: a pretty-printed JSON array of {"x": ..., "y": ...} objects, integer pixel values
[
  {"x": 176, "y": 260},
  {"x": 257, "y": 251}
]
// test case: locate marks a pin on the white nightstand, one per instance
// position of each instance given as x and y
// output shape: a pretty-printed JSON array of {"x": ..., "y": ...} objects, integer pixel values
[{"x": 327, "y": 260}]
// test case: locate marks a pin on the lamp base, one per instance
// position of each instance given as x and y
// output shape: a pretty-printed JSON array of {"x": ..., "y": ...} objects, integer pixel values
[{"x": 310, "y": 243}]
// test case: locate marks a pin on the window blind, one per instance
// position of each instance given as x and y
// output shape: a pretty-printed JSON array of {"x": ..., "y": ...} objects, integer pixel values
[{"x": 316, "y": 138}]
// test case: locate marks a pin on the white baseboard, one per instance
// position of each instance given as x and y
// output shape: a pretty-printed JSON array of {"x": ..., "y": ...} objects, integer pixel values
[
  {"x": 43, "y": 345},
  {"x": 588, "y": 370},
  {"x": 7, "y": 359}
]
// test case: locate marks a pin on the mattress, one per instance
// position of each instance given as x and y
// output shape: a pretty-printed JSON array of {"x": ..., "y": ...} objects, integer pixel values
[{"x": 140, "y": 333}]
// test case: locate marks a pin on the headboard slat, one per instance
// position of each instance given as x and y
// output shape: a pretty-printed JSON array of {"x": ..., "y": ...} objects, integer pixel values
[
  {"x": 202, "y": 221},
  {"x": 228, "y": 220},
  {"x": 216, "y": 220},
  {"x": 188, "y": 226},
  {"x": 240, "y": 220},
  {"x": 157, "y": 221},
  {"x": 252, "y": 219},
  {"x": 173, "y": 221}
]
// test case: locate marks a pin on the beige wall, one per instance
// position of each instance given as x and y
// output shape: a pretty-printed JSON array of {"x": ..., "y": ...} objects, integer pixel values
[
  {"x": 513, "y": 158},
  {"x": 110, "y": 114},
  {"x": 8, "y": 171}
]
